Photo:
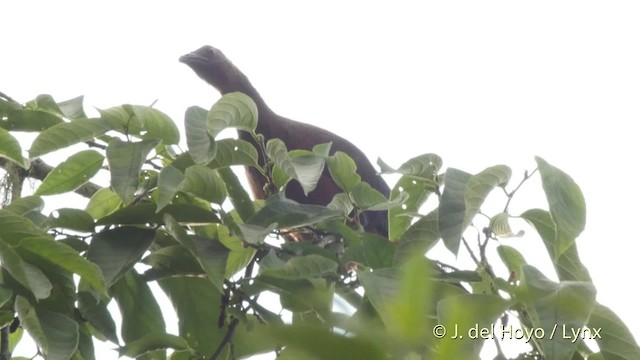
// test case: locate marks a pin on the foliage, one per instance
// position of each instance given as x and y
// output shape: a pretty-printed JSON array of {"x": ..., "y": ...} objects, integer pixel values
[{"x": 183, "y": 220}]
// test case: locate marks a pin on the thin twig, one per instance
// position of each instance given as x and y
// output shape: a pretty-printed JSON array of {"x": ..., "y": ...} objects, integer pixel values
[
  {"x": 226, "y": 339},
  {"x": 526, "y": 177}
]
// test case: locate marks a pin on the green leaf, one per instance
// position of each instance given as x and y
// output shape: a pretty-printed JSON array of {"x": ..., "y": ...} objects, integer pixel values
[
  {"x": 145, "y": 213},
  {"x": 233, "y": 110},
  {"x": 73, "y": 219},
  {"x": 416, "y": 190},
  {"x": 30, "y": 120},
  {"x": 288, "y": 213},
  {"x": 371, "y": 251},
  {"x": 10, "y": 149},
  {"x": 512, "y": 259},
  {"x": 141, "y": 314},
  {"x": 406, "y": 313},
  {"x": 368, "y": 198},
  {"x": 318, "y": 343},
  {"x": 103, "y": 203},
  {"x": 615, "y": 340},
  {"x": 201, "y": 145},
  {"x": 153, "y": 342},
  {"x": 566, "y": 204},
  {"x": 234, "y": 152},
  {"x": 481, "y": 311},
  {"x": 237, "y": 194},
  {"x": 26, "y": 274},
  {"x": 26, "y": 204},
  {"x": 64, "y": 257},
  {"x": 343, "y": 171},
  {"x": 204, "y": 183},
  {"x": 97, "y": 314},
  {"x": 71, "y": 173},
  {"x": 568, "y": 265},
  {"x": 210, "y": 253},
  {"x": 557, "y": 307},
  {"x": 169, "y": 181},
  {"x": 461, "y": 200},
  {"x": 73, "y": 108},
  {"x": 125, "y": 162},
  {"x": 66, "y": 134},
  {"x": 14, "y": 228},
  {"x": 419, "y": 238},
  {"x": 304, "y": 267},
  {"x": 425, "y": 166},
  {"x": 156, "y": 124},
  {"x": 54, "y": 333},
  {"x": 197, "y": 304},
  {"x": 115, "y": 251}
]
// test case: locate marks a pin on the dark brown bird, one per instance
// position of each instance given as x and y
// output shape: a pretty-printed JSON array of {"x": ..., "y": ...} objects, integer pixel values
[{"x": 214, "y": 68}]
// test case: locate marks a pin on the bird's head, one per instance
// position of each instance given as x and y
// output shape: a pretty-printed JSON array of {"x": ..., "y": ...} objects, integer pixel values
[{"x": 213, "y": 67}]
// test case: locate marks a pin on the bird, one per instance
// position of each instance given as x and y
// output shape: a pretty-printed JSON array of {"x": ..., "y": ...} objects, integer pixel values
[{"x": 210, "y": 64}]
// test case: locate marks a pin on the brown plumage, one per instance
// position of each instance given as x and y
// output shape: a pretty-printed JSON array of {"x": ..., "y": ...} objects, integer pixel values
[{"x": 214, "y": 67}]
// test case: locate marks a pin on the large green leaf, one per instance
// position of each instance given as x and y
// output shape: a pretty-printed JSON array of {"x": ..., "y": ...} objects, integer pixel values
[
  {"x": 169, "y": 181},
  {"x": 318, "y": 343},
  {"x": 156, "y": 124},
  {"x": 233, "y": 110},
  {"x": 29, "y": 276},
  {"x": 210, "y": 253},
  {"x": 480, "y": 312},
  {"x": 461, "y": 200},
  {"x": 73, "y": 108},
  {"x": 66, "y": 134},
  {"x": 204, "y": 183},
  {"x": 567, "y": 265},
  {"x": 115, "y": 251},
  {"x": 30, "y": 120},
  {"x": 55, "y": 333},
  {"x": 26, "y": 204},
  {"x": 234, "y": 152},
  {"x": 417, "y": 190},
  {"x": 425, "y": 166},
  {"x": 419, "y": 238},
  {"x": 65, "y": 257},
  {"x": 566, "y": 204},
  {"x": 125, "y": 163},
  {"x": 10, "y": 149},
  {"x": 71, "y": 173},
  {"x": 201, "y": 145},
  {"x": 73, "y": 219},
  {"x": 343, "y": 171},
  {"x": 153, "y": 342},
  {"x": 237, "y": 194},
  {"x": 197, "y": 304},
  {"x": 103, "y": 203},
  {"x": 613, "y": 336},
  {"x": 368, "y": 198},
  {"x": 97, "y": 314},
  {"x": 557, "y": 308},
  {"x": 14, "y": 228},
  {"x": 288, "y": 213},
  {"x": 141, "y": 314},
  {"x": 145, "y": 213},
  {"x": 304, "y": 267}
]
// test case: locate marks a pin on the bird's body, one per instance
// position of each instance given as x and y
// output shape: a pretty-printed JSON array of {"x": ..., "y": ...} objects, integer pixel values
[{"x": 214, "y": 67}]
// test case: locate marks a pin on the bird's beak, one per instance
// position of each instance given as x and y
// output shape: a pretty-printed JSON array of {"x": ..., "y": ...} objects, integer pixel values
[{"x": 192, "y": 58}]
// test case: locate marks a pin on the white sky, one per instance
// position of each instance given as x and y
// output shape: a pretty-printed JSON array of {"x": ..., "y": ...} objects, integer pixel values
[{"x": 479, "y": 83}]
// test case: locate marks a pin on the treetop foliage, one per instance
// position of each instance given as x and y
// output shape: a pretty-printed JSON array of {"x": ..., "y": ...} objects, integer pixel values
[{"x": 183, "y": 220}]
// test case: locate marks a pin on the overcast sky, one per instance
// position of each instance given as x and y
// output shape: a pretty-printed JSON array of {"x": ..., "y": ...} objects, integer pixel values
[{"x": 479, "y": 83}]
